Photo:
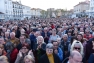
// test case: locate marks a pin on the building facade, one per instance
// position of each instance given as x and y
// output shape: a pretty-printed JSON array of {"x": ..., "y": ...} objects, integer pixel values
[
  {"x": 17, "y": 11},
  {"x": 26, "y": 12},
  {"x": 36, "y": 12},
  {"x": 2, "y": 16},
  {"x": 81, "y": 8},
  {"x": 91, "y": 10},
  {"x": 6, "y": 8}
]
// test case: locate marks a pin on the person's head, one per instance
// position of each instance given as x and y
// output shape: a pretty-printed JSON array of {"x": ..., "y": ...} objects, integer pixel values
[
  {"x": 22, "y": 39},
  {"x": 54, "y": 31},
  {"x": 1, "y": 40},
  {"x": 80, "y": 37},
  {"x": 65, "y": 37},
  {"x": 9, "y": 47},
  {"x": 45, "y": 29},
  {"x": 12, "y": 35},
  {"x": 59, "y": 41},
  {"x": 55, "y": 44},
  {"x": 37, "y": 33},
  {"x": 1, "y": 49},
  {"x": 49, "y": 48},
  {"x": 22, "y": 31},
  {"x": 69, "y": 33},
  {"x": 75, "y": 57},
  {"x": 15, "y": 27},
  {"x": 29, "y": 59},
  {"x": 6, "y": 34},
  {"x": 87, "y": 32},
  {"x": 76, "y": 31},
  {"x": 40, "y": 40},
  {"x": 25, "y": 48},
  {"x": 4, "y": 29},
  {"x": 77, "y": 45},
  {"x": 81, "y": 30},
  {"x": 3, "y": 59},
  {"x": 28, "y": 41}
]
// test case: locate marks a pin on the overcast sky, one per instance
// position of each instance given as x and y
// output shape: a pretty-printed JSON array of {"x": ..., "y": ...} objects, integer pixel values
[{"x": 44, "y": 4}]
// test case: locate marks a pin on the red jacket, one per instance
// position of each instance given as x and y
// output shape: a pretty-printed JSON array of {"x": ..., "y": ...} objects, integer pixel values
[
  {"x": 52, "y": 26},
  {"x": 13, "y": 55},
  {"x": 87, "y": 37}
]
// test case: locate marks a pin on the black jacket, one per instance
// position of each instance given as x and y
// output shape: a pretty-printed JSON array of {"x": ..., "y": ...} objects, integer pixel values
[{"x": 44, "y": 59}]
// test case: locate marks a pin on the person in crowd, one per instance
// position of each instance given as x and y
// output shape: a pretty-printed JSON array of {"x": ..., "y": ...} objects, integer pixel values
[
  {"x": 6, "y": 37},
  {"x": 22, "y": 40},
  {"x": 65, "y": 29},
  {"x": 3, "y": 59},
  {"x": 89, "y": 49},
  {"x": 17, "y": 32},
  {"x": 75, "y": 57},
  {"x": 54, "y": 36},
  {"x": 77, "y": 45},
  {"x": 29, "y": 59},
  {"x": 11, "y": 51},
  {"x": 13, "y": 39},
  {"x": 2, "y": 41},
  {"x": 2, "y": 51},
  {"x": 69, "y": 35},
  {"x": 23, "y": 52},
  {"x": 75, "y": 33},
  {"x": 40, "y": 47},
  {"x": 59, "y": 43},
  {"x": 45, "y": 33},
  {"x": 4, "y": 29},
  {"x": 87, "y": 34},
  {"x": 49, "y": 56},
  {"x": 65, "y": 44},
  {"x": 91, "y": 58},
  {"x": 57, "y": 50},
  {"x": 33, "y": 39}
]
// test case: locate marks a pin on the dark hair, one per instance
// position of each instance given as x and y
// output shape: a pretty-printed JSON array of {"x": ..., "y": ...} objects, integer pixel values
[
  {"x": 73, "y": 37},
  {"x": 53, "y": 41},
  {"x": 82, "y": 38},
  {"x": 26, "y": 45},
  {"x": 9, "y": 46},
  {"x": 28, "y": 41}
]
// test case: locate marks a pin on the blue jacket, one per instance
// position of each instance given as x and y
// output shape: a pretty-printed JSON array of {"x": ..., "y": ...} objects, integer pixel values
[
  {"x": 43, "y": 34},
  {"x": 91, "y": 58},
  {"x": 60, "y": 53},
  {"x": 33, "y": 41}
]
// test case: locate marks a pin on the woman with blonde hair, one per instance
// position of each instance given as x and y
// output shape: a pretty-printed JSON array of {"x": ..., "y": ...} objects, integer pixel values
[
  {"x": 29, "y": 59},
  {"x": 76, "y": 45},
  {"x": 3, "y": 59},
  {"x": 40, "y": 48}
]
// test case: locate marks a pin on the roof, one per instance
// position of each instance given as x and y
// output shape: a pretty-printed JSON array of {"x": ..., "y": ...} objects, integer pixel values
[
  {"x": 83, "y": 3},
  {"x": 1, "y": 13},
  {"x": 16, "y": 3}
]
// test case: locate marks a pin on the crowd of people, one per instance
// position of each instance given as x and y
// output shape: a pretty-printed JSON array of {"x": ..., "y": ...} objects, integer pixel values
[{"x": 50, "y": 40}]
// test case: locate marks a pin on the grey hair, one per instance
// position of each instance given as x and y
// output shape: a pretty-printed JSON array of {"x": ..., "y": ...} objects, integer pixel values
[
  {"x": 49, "y": 46},
  {"x": 40, "y": 37},
  {"x": 28, "y": 41}
]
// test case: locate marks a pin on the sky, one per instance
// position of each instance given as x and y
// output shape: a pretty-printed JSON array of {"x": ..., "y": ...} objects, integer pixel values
[{"x": 45, "y": 4}]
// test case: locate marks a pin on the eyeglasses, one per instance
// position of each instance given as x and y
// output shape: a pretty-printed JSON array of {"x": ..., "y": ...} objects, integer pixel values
[{"x": 77, "y": 48}]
